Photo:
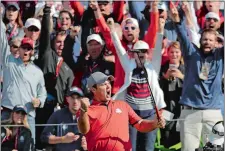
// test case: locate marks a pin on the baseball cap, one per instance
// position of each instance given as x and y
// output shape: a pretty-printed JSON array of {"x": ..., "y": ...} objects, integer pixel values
[
  {"x": 139, "y": 45},
  {"x": 28, "y": 41},
  {"x": 75, "y": 90},
  {"x": 212, "y": 15},
  {"x": 20, "y": 108},
  {"x": 100, "y": 1},
  {"x": 162, "y": 6},
  {"x": 15, "y": 4},
  {"x": 33, "y": 22},
  {"x": 129, "y": 21},
  {"x": 95, "y": 37},
  {"x": 216, "y": 139},
  {"x": 98, "y": 78}
]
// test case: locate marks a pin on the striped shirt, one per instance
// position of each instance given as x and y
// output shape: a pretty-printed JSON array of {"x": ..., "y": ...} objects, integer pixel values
[{"x": 138, "y": 94}]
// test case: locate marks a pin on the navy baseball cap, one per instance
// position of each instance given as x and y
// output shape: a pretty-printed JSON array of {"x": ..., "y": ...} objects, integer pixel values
[
  {"x": 20, "y": 108},
  {"x": 75, "y": 90}
]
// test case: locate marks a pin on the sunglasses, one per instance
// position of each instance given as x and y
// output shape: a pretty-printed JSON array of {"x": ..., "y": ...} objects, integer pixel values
[
  {"x": 20, "y": 112},
  {"x": 127, "y": 28},
  {"x": 15, "y": 46},
  {"x": 141, "y": 51},
  {"x": 33, "y": 29},
  {"x": 25, "y": 47},
  {"x": 214, "y": 19}
]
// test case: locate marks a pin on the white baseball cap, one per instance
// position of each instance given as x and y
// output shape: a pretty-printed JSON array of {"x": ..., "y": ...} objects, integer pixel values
[
  {"x": 216, "y": 139},
  {"x": 140, "y": 45},
  {"x": 212, "y": 15},
  {"x": 95, "y": 37},
  {"x": 129, "y": 20},
  {"x": 33, "y": 22}
]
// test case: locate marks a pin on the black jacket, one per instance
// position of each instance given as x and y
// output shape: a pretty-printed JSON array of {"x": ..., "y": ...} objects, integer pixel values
[
  {"x": 24, "y": 140},
  {"x": 48, "y": 60},
  {"x": 87, "y": 67}
]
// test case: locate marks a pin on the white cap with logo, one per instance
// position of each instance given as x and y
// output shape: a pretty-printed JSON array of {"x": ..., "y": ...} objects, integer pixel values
[
  {"x": 33, "y": 22},
  {"x": 95, "y": 37}
]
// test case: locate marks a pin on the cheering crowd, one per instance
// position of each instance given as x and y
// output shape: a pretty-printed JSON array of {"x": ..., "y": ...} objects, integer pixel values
[{"x": 104, "y": 75}]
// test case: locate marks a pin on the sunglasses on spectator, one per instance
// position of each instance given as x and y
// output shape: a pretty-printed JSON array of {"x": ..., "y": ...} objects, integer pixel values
[
  {"x": 20, "y": 112},
  {"x": 14, "y": 46},
  {"x": 33, "y": 29},
  {"x": 26, "y": 47},
  {"x": 12, "y": 8},
  {"x": 139, "y": 51},
  {"x": 127, "y": 28},
  {"x": 214, "y": 19}
]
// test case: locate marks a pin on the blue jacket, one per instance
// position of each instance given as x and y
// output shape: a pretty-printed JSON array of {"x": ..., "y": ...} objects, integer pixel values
[{"x": 204, "y": 94}]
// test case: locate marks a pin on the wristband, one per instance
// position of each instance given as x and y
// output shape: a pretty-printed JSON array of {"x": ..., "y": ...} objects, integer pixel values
[{"x": 62, "y": 138}]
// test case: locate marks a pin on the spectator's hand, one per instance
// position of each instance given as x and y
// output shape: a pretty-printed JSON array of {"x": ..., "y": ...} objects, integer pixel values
[
  {"x": 8, "y": 132},
  {"x": 93, "y": 4},
  {"x": 162, "y": 22},
  {"x": 111, "y": 24},
  {"x": 36, "y": 102},
  {"x": 85, "y": 103},
  {"x": 70, "y": 137},
  {"x": 174, "y": 14},
  {"x": 167, "y": 74},
  {"x": 49, "y": 3},
  {"x": 154, "y": 6},
  {"x": 84, "y": 143},
  {"x": 185, "y": 7},
  {"x": 176, "y": 73},
  {"x": 74, "y": 30}
]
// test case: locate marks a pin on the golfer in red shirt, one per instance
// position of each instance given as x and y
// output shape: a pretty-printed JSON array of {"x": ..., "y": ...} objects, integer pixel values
[{"x": 106, "y": 122}]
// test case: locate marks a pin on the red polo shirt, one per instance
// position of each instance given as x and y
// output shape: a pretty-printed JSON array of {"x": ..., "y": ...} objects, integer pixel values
[{"x": 109, "y": 126}]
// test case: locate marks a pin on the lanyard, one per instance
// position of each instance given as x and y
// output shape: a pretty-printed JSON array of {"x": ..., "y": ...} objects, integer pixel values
[
  {"x": 16, "y": 140},
  {"x": 91, "y": 69},
  {"x": 58, "y": 68},
  {"x": 13, "y": 32}
]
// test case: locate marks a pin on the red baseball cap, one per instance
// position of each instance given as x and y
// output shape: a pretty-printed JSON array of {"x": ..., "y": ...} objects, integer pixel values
[{"x": 27, "y": 41}]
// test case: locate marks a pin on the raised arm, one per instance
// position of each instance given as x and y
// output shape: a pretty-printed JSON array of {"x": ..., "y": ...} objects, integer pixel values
[
  {"x": 118, "y": 7},
  {"x": 104, "y": 29},
  {"x": 45, "y": 44},
  {"x": 121, "y": 52},
  {"x": 187, "y": 46},
  {"x": 83, "y": 120},
  {"x": 150, "y": 36},
  {"x": 78, "y": 9}
]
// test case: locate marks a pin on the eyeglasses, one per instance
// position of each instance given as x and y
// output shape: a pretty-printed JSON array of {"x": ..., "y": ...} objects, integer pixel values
[
  {"x": 214, "y": 19},
  {"x": 33, "y": 29},
  {"x": 25, "y": 47},
  {"x": 14, "y": 46},
  {"x": 127, "y": 28}
]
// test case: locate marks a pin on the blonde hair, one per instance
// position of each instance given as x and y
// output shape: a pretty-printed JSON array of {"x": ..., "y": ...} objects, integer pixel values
[
  {"x": 11, "y": 122},
  {"x": 176, "y": 44}
]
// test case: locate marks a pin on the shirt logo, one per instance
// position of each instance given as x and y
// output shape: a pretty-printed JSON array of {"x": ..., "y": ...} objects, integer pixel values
[
  {"x": 21, "y": 139},
  {"x": 118, "y": 111},
  {"x": 106, "y": 71}
]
